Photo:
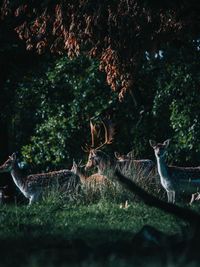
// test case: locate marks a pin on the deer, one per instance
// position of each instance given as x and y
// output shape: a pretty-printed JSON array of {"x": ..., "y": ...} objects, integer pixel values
[
  {"x": 34, "y": 185},
  {"x": 101, "y": 160},
  {"x": 123, "y": 157},
  {"x": 95, "y": 179},
  {"x": 143, "y": 165},
  {"x": 98, "y": 158},
  {"x": 174, "y": 179}
]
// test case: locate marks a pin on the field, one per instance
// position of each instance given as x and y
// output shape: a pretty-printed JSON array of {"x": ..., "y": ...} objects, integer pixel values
[{"x": 89, "y": 231}]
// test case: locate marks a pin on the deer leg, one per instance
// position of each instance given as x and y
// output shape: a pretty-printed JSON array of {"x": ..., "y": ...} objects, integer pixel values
[
  {"x": 192, "y": 199},
  {"x": 195, "y": 197},
  {"x": 30, "y": 200},
  {"x": 34, "y": 198},
  {"x": 168, "y": 196},
  {"x": 171, "y": 196}
]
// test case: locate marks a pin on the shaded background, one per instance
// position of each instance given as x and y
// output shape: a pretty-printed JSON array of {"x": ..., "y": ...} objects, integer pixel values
[{"x": 47, "y": 100}]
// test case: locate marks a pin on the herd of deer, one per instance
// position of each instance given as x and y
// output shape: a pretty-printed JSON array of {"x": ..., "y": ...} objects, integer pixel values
[{"x": 173, "y": 179}]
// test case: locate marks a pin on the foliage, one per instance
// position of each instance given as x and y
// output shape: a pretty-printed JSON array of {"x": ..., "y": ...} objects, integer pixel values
[
  {"x": 59, "y": 104},
  {"x": 53, "y": 103},
  {"x": 117, "y": 32},
  {"x": 177, "y": 102},
  {"x": 46, "y": 111}
]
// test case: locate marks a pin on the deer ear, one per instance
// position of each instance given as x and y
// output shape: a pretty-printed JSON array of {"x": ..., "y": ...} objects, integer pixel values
[
  {"x": 14, "y": 156},
  {"x": 130, "y": 154},
  {"x": 166, "y": 142},
  {"x": 117, "y": 155},
  {"x": 74, "y": 163},
  {"x": 152, "y": 143}
]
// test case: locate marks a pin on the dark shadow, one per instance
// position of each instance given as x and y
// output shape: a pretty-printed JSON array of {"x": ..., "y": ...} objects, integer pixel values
[{"x": 147, "y": 246}]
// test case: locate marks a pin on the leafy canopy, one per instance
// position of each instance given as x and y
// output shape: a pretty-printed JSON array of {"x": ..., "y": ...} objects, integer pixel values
[{"x": 117, "y": 32}]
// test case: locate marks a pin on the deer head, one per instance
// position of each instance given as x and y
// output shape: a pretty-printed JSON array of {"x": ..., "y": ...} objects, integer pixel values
[
  {"x": 74, "y": 167},
  {"x": 77, "y": 168},
  {"x": 123, "y": 157},
  {"x": 94, "y": 150},
  {"x": 8, "y": 165},
  {"x": 159, "y": 148}
]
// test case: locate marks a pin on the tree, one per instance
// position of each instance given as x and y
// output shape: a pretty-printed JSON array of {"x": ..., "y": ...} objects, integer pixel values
[
  {"x": 14, "y": 61},
  {"x": 116, "y": 32},
  {"x": 176, "y": 102},
  {"x": 52, "y": 109}
]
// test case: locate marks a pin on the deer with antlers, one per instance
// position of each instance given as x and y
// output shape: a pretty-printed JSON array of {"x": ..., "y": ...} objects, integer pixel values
[
  {"x": 104, "y": 163},
  {"x": 97, "y": 158}
]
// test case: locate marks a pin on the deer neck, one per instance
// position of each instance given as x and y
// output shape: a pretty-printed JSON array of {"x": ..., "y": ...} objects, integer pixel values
[
  {"x": 105, "y": 164},
  {"x": 17, "y": 176},
  {"x": 102, "y": 167},
  {"x": 82, "y": 176},
  {"x": 162, "y": 167}
]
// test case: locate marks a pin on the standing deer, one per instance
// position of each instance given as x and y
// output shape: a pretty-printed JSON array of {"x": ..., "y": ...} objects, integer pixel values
[
  {"x": 32, "y": 186},
  {"x": 101, "y": 160},
  {"x": 174, "y": 179}
]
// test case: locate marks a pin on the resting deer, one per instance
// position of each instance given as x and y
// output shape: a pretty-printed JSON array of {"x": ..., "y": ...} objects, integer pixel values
[
  {"x": 174, "y": 179},
  {"x": 92, "y": 180},
  {"x": 32, "y": 186},
  {"x": 101, "y": 160},
  {"x": 144, "y": 165}
]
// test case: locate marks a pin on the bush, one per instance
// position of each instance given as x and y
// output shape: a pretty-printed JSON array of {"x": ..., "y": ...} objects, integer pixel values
[{"x": 70, "y": 93}]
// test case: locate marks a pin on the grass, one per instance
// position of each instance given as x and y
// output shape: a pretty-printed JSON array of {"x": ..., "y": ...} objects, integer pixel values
[
  {"x": 73, "y": 221},
  {"x": 90, "y": 230},
  {"x": 60, "y": 233}
]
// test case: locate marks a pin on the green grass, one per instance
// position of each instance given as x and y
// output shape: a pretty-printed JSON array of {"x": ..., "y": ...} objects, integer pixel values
[
  {"x": 88, "y": 230},
  {"x": 73, "y": 221},
  {"x": 61, "y": 233}
]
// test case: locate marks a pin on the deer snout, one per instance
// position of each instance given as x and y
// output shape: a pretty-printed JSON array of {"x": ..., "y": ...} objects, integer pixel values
[
  {"x": 87, "y": 167},
  {"x": 89, "y": 164}
]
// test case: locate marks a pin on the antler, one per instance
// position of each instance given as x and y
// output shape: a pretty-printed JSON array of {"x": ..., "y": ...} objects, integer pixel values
[
  {"x": 93, "y": 132},
  {"x": 109, "y": 133},
  {"x": 86, "y": 148}
]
